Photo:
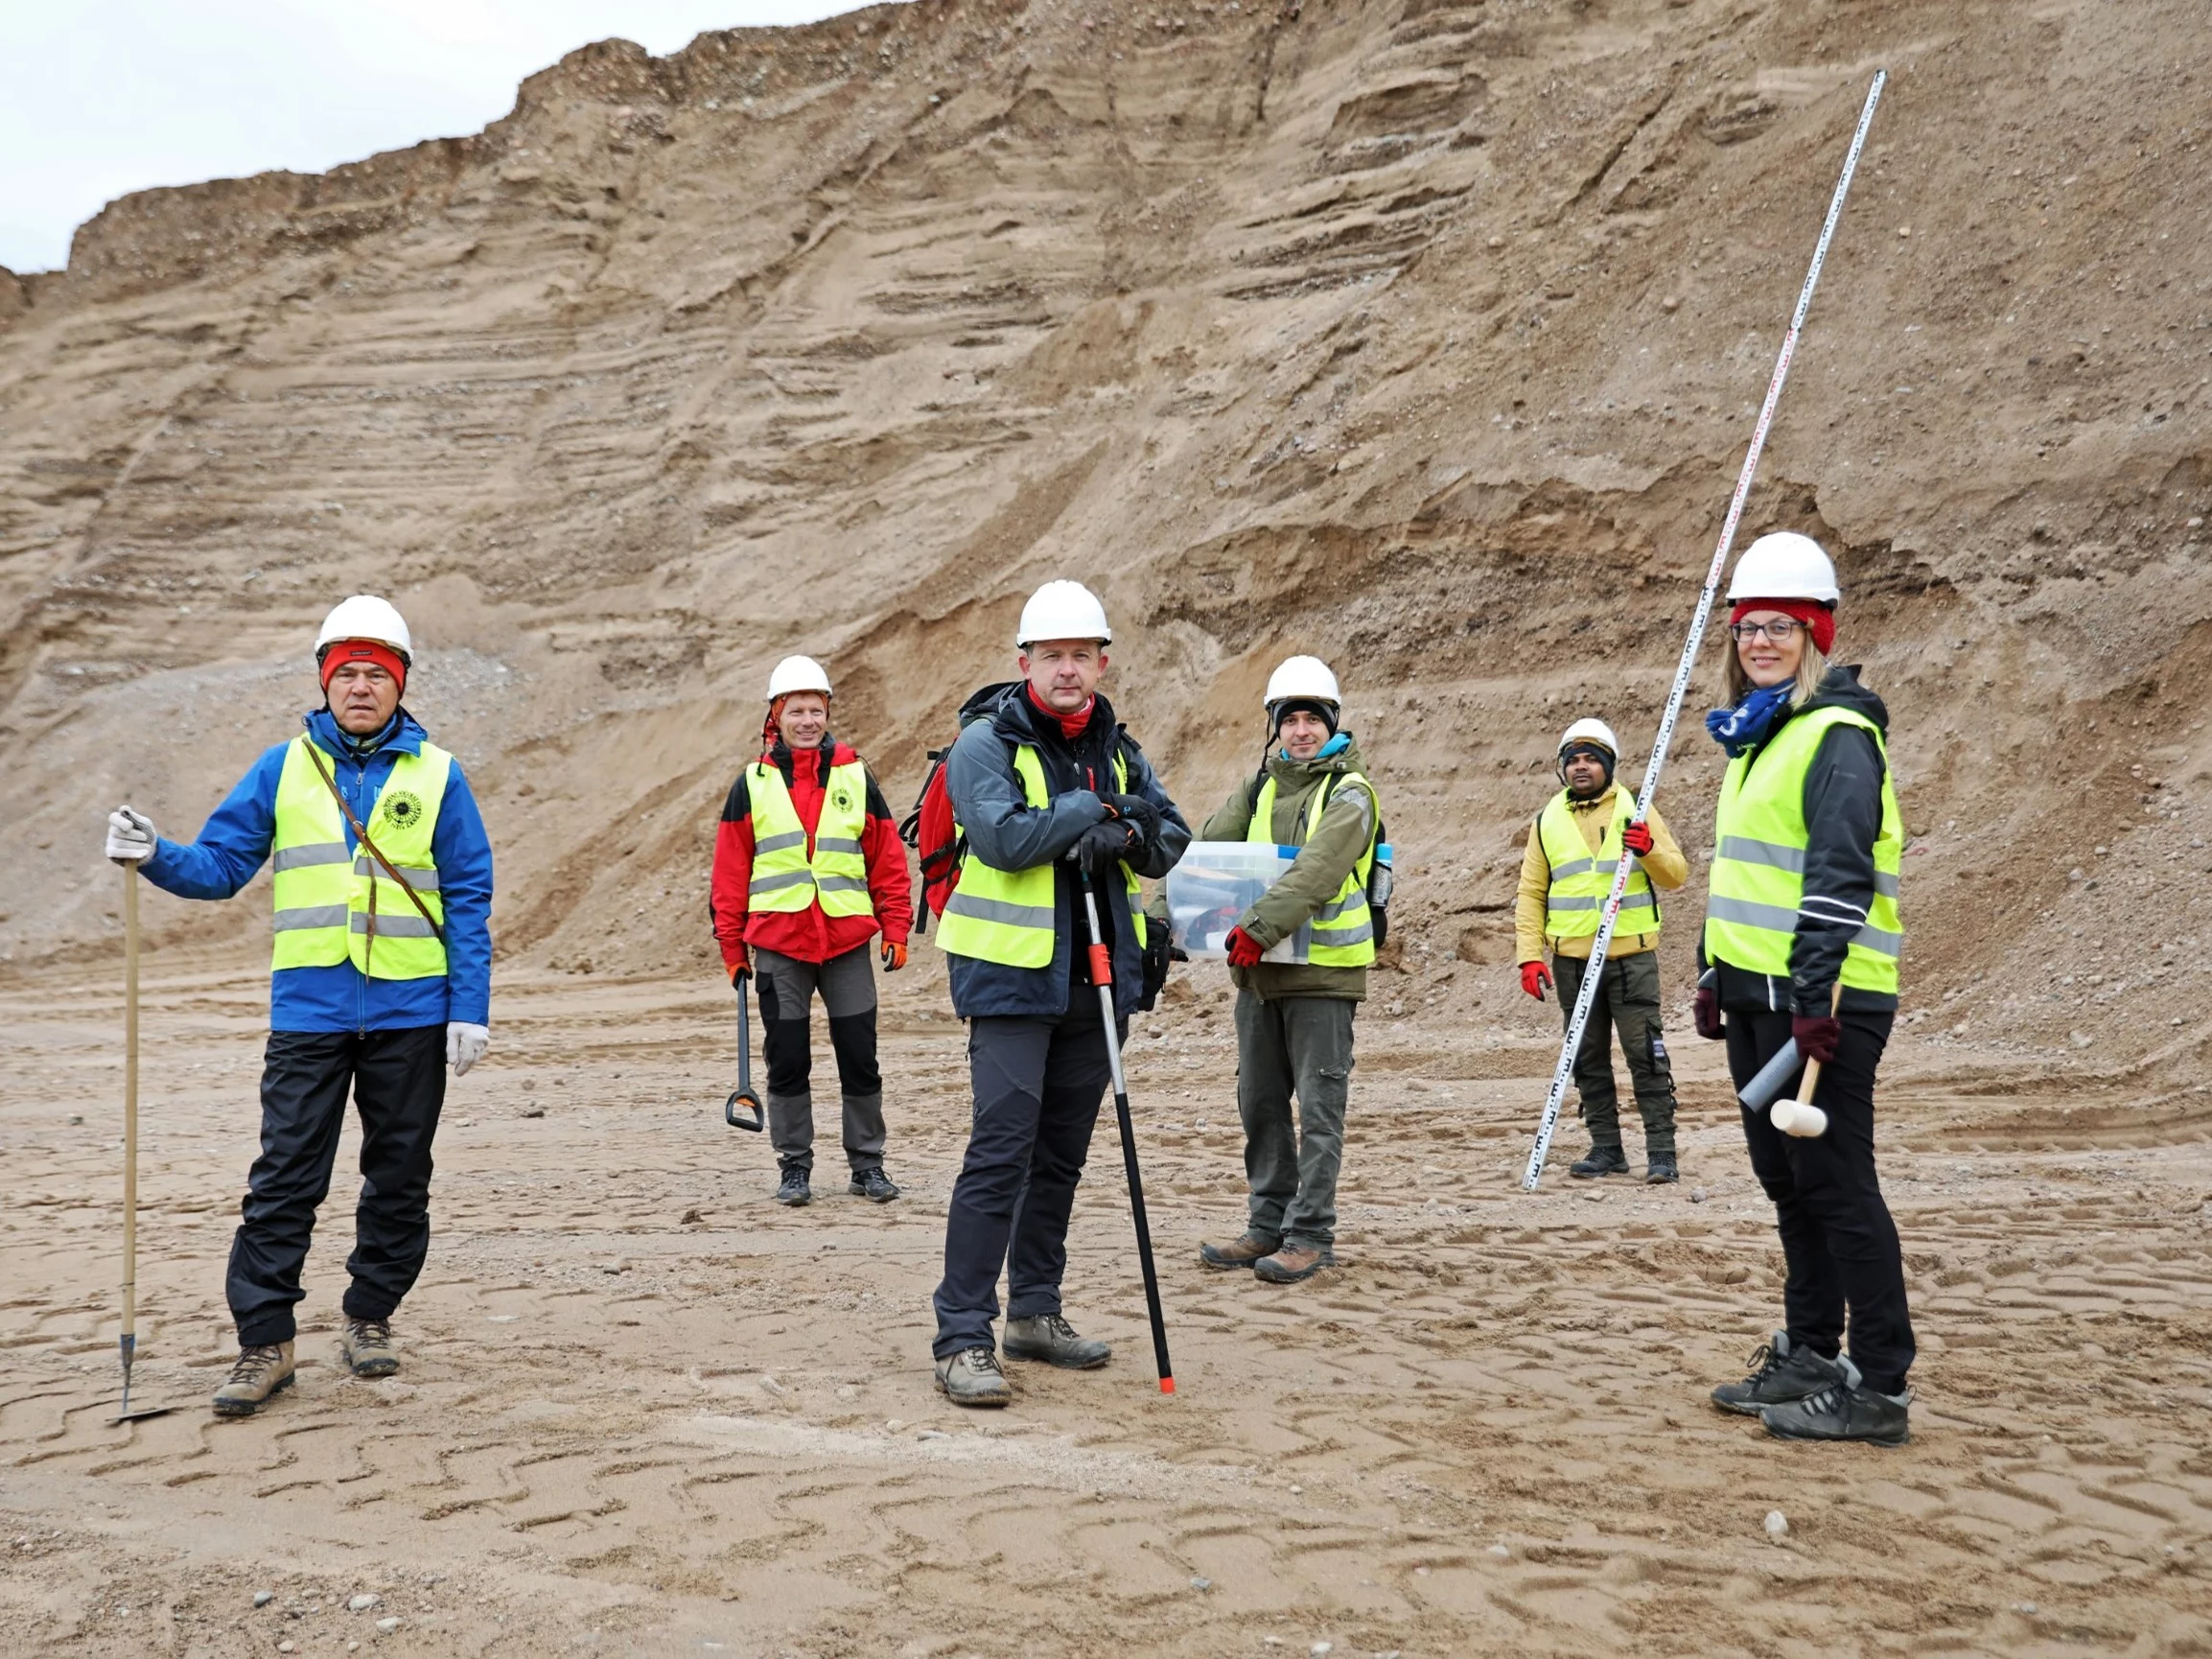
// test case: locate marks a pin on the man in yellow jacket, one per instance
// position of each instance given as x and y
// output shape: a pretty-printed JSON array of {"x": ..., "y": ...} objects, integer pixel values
[{"x": 1574, "y": 846}]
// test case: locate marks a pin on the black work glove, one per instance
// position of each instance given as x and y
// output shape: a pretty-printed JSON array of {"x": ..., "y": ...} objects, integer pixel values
[
  {"x": 1104, "y": 846},
  {"x": 1157, "y": 954},
  {"x": 1134, "y": 810},
  {"x": 1705, "y": 1013}
]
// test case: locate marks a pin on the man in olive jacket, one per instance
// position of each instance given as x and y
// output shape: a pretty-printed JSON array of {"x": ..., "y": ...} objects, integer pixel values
[{"x": 1294, "y": 1019}]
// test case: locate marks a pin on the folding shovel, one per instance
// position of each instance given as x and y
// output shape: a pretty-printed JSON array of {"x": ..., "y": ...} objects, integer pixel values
[
  {"x": 744, "y": 1092},
  {"x": 128, "y": 1341}
]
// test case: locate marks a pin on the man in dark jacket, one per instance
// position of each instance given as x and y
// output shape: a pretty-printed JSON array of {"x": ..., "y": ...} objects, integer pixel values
[
  {"x": 1294, "y": 1018},
  {"x": 1050, "y": 793}
]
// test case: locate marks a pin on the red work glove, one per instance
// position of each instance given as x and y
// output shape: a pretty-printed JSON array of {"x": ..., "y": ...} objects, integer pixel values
[
  {"x": 1535, "y": 979},
  {"x": 743, "y": 966},
  {"x": 1705, "y": 1013},
  {"x": 1244, "y": 950},
  {"x": 1816, "y": 1036},
  {"x": 894, "y": 955},
  {"x": 1637, "y": 838}
]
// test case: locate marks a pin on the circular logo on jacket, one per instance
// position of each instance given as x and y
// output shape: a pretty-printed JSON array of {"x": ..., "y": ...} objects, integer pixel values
[
  {"x": 402, "y": 808},
  {"x": 843, "y": 799}
]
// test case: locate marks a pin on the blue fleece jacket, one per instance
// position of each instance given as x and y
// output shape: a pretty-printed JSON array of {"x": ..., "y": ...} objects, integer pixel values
[{"x": 236, "y": 842}]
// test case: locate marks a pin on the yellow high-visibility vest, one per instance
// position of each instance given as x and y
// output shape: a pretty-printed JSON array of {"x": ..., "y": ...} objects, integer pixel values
[
  {"x": 784, "y": 878},
  {"x": 1759, "y": 841},
  {"x": 1344, "y": 928},
  {"x": 334, "y": 904},
  {"x": 1009, "y": 916},
  {"x": 1581, "y": 879}
]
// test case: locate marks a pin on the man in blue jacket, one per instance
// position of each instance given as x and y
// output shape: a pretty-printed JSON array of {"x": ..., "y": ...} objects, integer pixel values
[
  {"x": 1046, "y": 785},
  {"x": 382, "y": 977}
]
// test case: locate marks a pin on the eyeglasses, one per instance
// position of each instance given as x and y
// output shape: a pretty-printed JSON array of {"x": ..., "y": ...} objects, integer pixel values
[{"x": 1781, "y": 630}]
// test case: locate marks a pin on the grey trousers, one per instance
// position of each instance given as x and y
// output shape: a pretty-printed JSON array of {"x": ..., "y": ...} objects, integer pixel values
[
  {"x": 1627, "y": 1004},
  {"x": 1299, "y": 1045},
  {"x": 847, "y": 987}
]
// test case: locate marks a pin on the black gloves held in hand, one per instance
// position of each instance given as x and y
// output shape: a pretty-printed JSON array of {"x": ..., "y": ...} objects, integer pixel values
[{"x": 1103, "y": 846}]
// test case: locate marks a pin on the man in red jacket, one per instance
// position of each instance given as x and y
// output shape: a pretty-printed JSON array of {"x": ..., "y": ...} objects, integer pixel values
[{"x": 808, "y": 868}]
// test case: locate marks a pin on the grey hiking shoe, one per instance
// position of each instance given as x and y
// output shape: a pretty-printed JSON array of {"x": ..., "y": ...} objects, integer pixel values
[
  {"x": 367, "y": 1348},
  {"x": 261, "y": 1371},
  {"x": 872, "y": 1185},
  {"x": 1846, "y": 1409},
  {"x": 1050, "y": 1338},
  {"x": 972, "y": 1377},
  {"x": 1602, "y": 1161},
  {"x": 1780, "y": 1373},
  {"x": 1239, "y": 1253},
  {"x": 1294, "y": 1263},
  {"x": 1661, "y": 1170},
  {"x": 795, "y": 1189}
]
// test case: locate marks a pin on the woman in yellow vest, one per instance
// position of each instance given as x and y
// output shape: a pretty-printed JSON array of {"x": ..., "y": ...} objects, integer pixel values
[
  {"x": 382, "y": 977},
  {"x": 1294, "y": 1018},
  {"x": 1567, "y": 872},
  {"x": 1801, "y": 937}
]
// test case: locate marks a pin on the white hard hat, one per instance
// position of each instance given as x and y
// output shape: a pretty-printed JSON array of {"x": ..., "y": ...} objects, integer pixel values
[
  {"x": 798, "y": 674},
  {"x": 1784, "y": 564},
  {"x": 1303, "y": 677},
  {"x": 366, "y": 617},
  {"x": 1064, "y": 611},
  {"x": 1591, "y": 731}
]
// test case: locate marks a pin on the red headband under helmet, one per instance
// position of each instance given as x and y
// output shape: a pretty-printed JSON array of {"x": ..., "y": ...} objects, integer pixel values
[
  {"x": 1818, "y": 619},
  {"x": 344, "y": 651}
]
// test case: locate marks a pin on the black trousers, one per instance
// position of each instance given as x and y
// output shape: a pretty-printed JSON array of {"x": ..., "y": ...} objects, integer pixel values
[
  {"x": 398, "y": 1081},
  {"x": 1038, "y": 1087},
  {"x": 1837, "y": 1238},
  {"x": 1627, "y": 1003},
  {"x": 847, "y": 987}
]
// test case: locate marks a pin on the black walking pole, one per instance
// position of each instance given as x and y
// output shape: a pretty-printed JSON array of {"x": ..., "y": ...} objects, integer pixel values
[
  {"x": 743, "y": 1093},
  {"x": 1102, "y": 975}
]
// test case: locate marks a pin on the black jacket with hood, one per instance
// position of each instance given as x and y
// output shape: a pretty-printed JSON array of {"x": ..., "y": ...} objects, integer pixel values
[{"x": 1842, "y": 815}]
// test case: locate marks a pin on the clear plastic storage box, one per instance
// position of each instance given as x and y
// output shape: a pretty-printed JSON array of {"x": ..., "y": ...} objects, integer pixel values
[{"x": 1212, "y": 888}]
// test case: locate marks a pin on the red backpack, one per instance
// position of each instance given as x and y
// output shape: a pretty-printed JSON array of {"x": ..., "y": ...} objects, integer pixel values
[{"x": 930, "y": 829}]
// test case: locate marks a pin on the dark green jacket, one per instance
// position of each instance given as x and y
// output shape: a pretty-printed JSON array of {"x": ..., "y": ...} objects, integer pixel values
[{"x": 1339, "y": 839}]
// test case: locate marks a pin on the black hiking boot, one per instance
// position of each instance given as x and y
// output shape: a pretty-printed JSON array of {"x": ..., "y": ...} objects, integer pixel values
[
  {"x": 1780, "y": 1374},
  {"x": 795, "y": 1189},
  {"x": 1844, "y": 1410},
  {"x": 1659, "y": 1169},
  {"x": 872, "y": 1185},
  {"x": 1602, "y": 1161}
]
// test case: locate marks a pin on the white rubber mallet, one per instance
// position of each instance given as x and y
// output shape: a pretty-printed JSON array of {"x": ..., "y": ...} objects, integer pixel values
[{"x": 1800, "y": 1116}]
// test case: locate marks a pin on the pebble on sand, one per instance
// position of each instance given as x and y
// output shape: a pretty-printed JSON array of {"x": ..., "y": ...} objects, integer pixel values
[
  {"x": 1698, "y": 1194},
  {"x": 1201, "y": 1583},
  {"x": 362, "y": 1603},
  {"x": 1777, "y": 1524},
  {"x": 263, "y": 1597},
  {"x": 387, "y": 1626}
]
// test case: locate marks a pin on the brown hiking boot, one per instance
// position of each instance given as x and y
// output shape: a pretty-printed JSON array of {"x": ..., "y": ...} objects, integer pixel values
[
  {"x": 1293, "y": 1263},
  {"x": 1240, "y": 1253},
  {"x": 261, "y": 1369},
  {"x": 367, "y": 1345}
]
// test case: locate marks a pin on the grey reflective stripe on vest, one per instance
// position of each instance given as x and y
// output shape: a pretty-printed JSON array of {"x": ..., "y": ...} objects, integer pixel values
[
  {"x": 1774, "y": 918},
  {"x": 311, "y": 916},
  {"x": 788, "y": 878},
  {"x": 841, "y": 884},
  {"x": 1339, "y": 938},
  {"x": 777, "y": 843},
  {"x": 1880, "y": 943},
  {"x": 1573, "y": 867},
  {"x": 393, "y": 926},
  {"x": 1775, "y": 857},
  {"x": 1628, "y": 901},
  {"x": 311, "y": 853},
  {"x": 999, "y": 910},
  {"x": 1356, "y": 899},
  {"x": 421, "y": 880},
  {"x": 835, "y": 844}
]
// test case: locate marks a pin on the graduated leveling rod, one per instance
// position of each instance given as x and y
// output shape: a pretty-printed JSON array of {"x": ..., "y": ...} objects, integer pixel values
[{"x": 1689, "y": 648}]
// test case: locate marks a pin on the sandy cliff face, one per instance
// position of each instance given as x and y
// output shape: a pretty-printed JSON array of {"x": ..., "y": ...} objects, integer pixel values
[{"x": 1425, "y": 337}]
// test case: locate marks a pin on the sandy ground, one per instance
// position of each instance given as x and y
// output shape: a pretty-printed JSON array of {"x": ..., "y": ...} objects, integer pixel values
[{"x": 647, "y": 1411}]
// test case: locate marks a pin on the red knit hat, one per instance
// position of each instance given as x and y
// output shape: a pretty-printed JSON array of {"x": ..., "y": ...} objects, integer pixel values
[
  {"x": 1818, "y": 619},
  {"x": 344, "y": 651}
]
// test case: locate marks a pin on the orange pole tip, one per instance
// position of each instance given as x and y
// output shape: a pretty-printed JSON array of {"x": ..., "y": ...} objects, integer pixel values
[{"x": 1167, "y": 1384}]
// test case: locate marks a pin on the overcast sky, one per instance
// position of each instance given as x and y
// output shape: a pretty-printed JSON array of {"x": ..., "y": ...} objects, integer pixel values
[{"x": 99, "y": 98}]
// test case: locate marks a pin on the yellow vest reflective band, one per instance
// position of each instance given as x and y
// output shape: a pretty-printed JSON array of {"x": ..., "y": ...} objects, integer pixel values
[
  {"x": 1759, "y": 841},
  {"x": 783, "y": 878},
  {"x": 1580, "y": 879},
  {"x": 1009, "y": 916},
  {"x": 334, "y": 905},
  {"x": 1344, "y": 928}
]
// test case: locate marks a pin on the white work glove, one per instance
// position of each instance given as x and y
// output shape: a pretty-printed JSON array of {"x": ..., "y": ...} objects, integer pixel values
[
  {"x": 131, "y": 835},
  {"x": 465, "y": 1045}
]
